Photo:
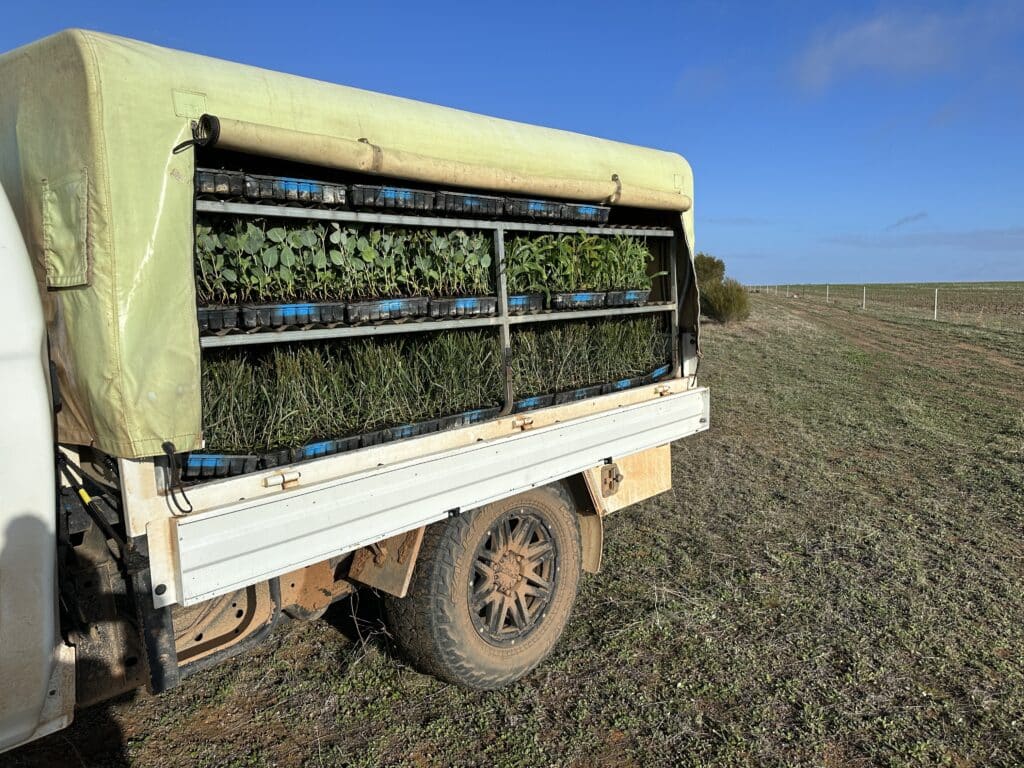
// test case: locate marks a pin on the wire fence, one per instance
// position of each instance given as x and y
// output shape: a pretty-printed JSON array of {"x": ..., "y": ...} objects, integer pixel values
[{"x": 992, "y": 305}]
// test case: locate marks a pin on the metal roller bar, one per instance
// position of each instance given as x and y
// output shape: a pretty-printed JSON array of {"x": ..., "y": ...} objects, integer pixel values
[
  {"x": 571, "y": 229},
  {"x": 586, "y": 314},
  {"x": 362, "y": 217},
  {"x": 317, "y": 334}
]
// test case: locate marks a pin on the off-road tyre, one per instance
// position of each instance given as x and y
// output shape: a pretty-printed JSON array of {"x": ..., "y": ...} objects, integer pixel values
[{"x": 436, "y": 626}]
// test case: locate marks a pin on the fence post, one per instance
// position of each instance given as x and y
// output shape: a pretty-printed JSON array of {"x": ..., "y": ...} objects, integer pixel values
[
  {"x": 826, "y": 293},
  {"x": 935, "y": 314},
  {"x": 864, "y": 298},
  {"x": 787, "y": 291}
]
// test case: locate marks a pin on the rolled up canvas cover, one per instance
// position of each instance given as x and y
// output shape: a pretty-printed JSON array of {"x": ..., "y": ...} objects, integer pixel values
[{"x": 88, "y": 123}]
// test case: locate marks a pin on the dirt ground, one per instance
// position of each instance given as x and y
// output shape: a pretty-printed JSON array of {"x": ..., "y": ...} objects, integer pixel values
[{"x": 837, "y": 579}]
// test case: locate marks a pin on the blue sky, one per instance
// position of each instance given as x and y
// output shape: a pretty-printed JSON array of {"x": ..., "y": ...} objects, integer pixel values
[{"x": 830, "y": 142}]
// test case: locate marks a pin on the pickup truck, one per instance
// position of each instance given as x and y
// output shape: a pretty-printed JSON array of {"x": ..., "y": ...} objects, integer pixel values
[{"x": 131, "y": 553}]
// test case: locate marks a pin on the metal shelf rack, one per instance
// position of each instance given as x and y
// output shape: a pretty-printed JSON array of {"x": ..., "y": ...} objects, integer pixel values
[{"x": 503, "y": 321}]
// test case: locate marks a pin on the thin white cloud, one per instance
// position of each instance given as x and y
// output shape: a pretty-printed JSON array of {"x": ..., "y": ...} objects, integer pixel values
[
  {"x": 911, "y": 43},
  {"x": 896, "y": 43}
]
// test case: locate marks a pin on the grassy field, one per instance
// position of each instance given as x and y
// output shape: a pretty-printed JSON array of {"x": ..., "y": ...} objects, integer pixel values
[
  {"x": 992, "y": 305},
  {"x": 837, "y": 579}
]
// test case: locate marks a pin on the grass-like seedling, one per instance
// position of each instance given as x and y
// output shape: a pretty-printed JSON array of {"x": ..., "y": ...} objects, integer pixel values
[
  {"x": 557, "y": 358},
  {"x": 579, "y": 262},
  {"x": 256, "y": 260},
  {"x": 288, "y": 395}
]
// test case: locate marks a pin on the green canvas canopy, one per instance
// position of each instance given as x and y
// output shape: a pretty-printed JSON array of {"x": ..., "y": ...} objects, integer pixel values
[{"x": 88, "y": 124}]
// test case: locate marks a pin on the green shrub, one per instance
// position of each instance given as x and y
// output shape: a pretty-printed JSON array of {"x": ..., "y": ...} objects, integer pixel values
[
  {"x": 725, "y": 300},
  {"x": 709, "y": 269}
]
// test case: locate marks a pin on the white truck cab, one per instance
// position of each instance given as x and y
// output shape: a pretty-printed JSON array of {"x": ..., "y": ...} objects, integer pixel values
[{"x": 36, "y": 668}]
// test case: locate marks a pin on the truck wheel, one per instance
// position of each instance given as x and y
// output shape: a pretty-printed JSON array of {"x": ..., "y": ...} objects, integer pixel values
[{"x": 492, "y": 590}]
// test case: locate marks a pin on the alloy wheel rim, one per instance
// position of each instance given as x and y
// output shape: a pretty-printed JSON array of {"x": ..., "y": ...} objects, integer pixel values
[{"x": 512, "y": 580}]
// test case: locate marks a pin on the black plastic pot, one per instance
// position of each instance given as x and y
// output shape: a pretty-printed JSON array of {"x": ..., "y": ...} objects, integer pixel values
[
  {"x": 466, "y": 418},
  {"x": 480, "y": 414},
  {"x": 466, "y": 204},
  {"x": 279, "y": 458},
  {"x": 658, "y": 373},
  {"x": 216, "y": 319},
  {"x": 324, "y": 448},
  {"x": 220, "y": 183},
  {"x": 533, "y": 403},
  {"x": 374, "y": 438},
  {"x": 366, "y": 196},
  {"x": 282, "y": 188},
  {"x": 203, "y": 466},
  {"x": 533, "y": 209},
  {"x": 584, "y": 213},
  {"x": 470, "y": 306},
  {"x": 284, "y": 315},
  {"x": 525, "y": 303},
  {"x": 623, "y": 384},
  {"x": 577, "y": 300},
  {"x": 206, "y": 182},
  {"x": 386, "y": 309},
  {"x": 630, "y": 298},
  {"x": 577, "y": 394}
]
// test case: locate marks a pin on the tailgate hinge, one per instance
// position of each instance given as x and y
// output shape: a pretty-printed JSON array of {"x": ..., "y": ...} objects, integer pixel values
[
  {"x": 285, "y": 480},
  {"x": 522, "y": 422}
]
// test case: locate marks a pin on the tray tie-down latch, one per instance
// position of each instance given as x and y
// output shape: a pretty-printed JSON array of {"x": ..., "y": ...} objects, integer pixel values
[{"x": 285, "y": 480}]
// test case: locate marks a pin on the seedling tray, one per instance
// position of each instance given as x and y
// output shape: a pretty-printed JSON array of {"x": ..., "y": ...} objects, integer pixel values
[
  {"x": 533, "y": 403},
  {"x": 659, "y": 373},
  {"x": 216, "y": 319},
  {"x": 284, "y": 315},
  {"x": 278, "y": 458},
  {"x": 578, "y": 394},
  {"x": 365, "y": 196},
  {"x": 324, "y": 448},
  {"x": 476, "y": 306},
  {"x": 633, "y": 298},
  {"x": 590, "y": 214},
  {"x": 478, "y": 415},
  {"x": 525, "y": 303},
  {"x": 468, "y": 417},
  {"x": 468, "y": 204},
  {"x": 222, "y": 183},
  {"x": 623, "y": 384},
  {"x": 533, "y": 209},
  {"x": 202, "y": 466},
  {"x": 386, "y": 309},
  {"x": 282, "y": 188},
  {"x": 577, "y": 300}
]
